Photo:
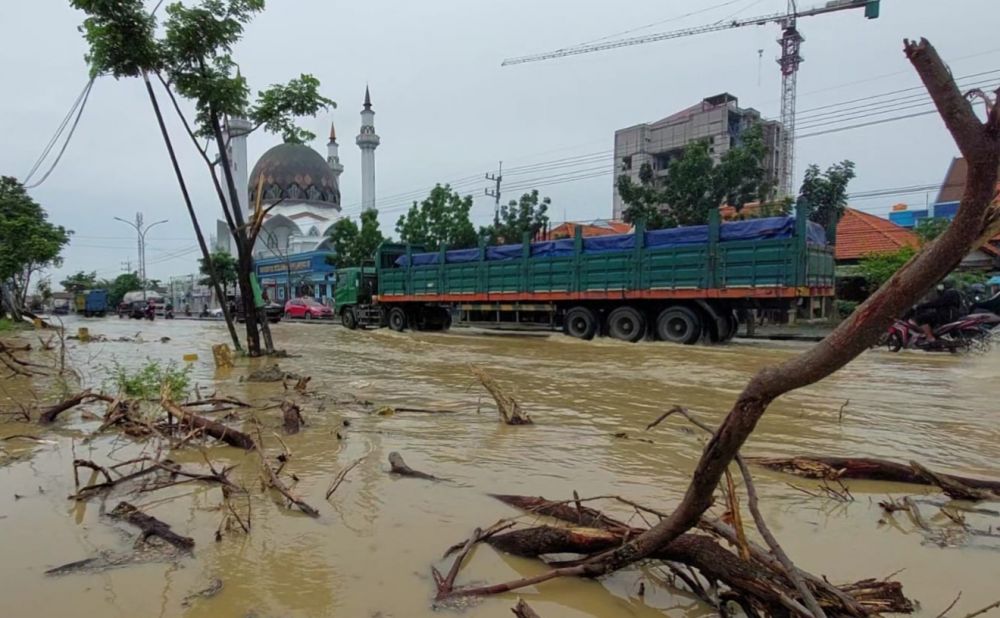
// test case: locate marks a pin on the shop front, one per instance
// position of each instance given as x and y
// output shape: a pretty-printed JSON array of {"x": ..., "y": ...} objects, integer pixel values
[{"x": 295, "y": 276}]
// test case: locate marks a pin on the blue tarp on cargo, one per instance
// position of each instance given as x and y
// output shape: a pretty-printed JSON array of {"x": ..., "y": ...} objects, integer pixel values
[
  {"x": 753, "y": 229},
  {"x": 553, "y": 248}
]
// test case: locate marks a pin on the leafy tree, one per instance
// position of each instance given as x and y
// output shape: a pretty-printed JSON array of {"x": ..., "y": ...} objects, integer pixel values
[
  {"x": 695, "y": 184},
  {"x": 192, "y": 56},
  {"x": 122, "y": 285},
  {"x": 930, "y": 228},
  {"x": 441, "y": 219},
  {"x": 28, "y": 243},
  {"x": 826, "y": 192},
  {"x": 224, "y": 268},
  {"x": 352, "y": 245},
  {"x": 877, "y": 268},
  {"x": 44, "y": 290},
  {"x": 517, "y": 217},
  {"x": 79, "y": 282}
]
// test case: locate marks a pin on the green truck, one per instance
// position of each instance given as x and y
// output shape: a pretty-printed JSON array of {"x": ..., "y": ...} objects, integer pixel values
[{"x": 683, "y": 285}]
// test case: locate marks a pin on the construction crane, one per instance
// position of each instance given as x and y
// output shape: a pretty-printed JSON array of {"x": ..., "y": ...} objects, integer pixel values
[{"x": 789, "y": 61}]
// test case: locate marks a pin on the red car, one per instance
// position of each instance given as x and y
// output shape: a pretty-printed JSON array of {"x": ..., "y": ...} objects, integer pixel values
[{"x": 307, "y": 308}]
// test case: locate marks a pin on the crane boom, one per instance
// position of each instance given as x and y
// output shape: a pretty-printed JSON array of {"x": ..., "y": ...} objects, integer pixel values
[{"x": 789, "y": 60}]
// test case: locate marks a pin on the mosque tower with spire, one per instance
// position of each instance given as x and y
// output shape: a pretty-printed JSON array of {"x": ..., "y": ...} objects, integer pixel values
[
  {"x": 333, "y": 154},
  {"x": 367, "y": 141}
]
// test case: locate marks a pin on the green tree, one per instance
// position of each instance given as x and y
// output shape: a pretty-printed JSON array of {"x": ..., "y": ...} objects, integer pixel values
[
  {"x": 517, "y": 217},
  {"x": 695, "y": 184},
  {"x": 79, "y": 281},
  {"x": 192, "y": 56},
  {"x": 28, "y": 243},
  {"x": 226, "y": 274},
  {"x": 441, "y": 219},
  {"x": 353, "y": 245},
  {"x": 930, "y": 228},
  {"x": 877, "y": 268},
  {"x": 826, "y": 192},
  {"x": 122, "y": 285}
]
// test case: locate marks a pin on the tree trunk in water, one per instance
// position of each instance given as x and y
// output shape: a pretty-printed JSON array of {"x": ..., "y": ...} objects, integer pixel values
[
  {"x": 206, "y": 254},
  {"x": 9, "y": 304},
  {"x": 244, "y": 248}
]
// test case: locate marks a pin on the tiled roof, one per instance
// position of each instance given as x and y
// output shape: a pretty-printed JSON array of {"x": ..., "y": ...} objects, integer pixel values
[
  {"x": 860, "y": 234},
  {"x": 601, "y": 228}
]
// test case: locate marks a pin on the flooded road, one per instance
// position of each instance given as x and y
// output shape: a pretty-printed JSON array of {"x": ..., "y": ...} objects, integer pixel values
[{"x": 370, "y": 552}]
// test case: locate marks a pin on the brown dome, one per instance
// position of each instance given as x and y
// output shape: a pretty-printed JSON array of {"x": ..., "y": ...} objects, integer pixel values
[{"x": 296, "y": 173}]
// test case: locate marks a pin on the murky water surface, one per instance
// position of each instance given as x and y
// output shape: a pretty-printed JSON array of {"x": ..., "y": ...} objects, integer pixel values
[{"x": 370, "y": 552}]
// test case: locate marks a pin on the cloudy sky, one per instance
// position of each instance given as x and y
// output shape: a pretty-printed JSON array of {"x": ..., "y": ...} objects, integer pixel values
[{"x": 447, "y": 111}]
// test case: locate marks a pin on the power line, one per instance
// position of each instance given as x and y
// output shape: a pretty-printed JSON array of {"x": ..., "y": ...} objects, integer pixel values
[{"x": 72, "y": 130}]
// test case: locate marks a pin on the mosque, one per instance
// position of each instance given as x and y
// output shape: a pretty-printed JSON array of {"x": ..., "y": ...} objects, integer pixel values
[{"x": 291, "y": 251}]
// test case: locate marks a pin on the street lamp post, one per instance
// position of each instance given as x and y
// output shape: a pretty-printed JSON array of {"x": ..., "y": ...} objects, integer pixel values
[{"x": 141, "y": 234}]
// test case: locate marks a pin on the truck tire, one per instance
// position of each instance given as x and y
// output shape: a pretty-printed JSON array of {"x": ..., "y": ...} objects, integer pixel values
[
  {"x": 348, "y": 319},
  {"x": 626, "y": 324},
  {"x": 678, "y": 325},
  {"x": 580, "y": 322},
  {"x": 397, "y": 319}
]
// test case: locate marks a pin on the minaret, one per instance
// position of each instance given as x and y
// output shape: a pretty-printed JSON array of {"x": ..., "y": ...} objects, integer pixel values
[
  {"x": 237, "y": 130},
  {"x": 332, "y": 154},
  {"x": 367, "y": 141}
]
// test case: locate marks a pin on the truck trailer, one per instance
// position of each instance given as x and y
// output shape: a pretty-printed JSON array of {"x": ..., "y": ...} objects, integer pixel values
[
  {"x": 684, "y": 285},
  {"x": 92, "y": 303}
]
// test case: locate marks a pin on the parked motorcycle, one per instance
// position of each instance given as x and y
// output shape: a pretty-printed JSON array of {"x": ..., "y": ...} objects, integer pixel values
[{"x": 951, "y": 337}]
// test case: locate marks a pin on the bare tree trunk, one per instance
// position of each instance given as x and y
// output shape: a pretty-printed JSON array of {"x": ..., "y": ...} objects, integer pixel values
[{"x": 206, "y": 254}]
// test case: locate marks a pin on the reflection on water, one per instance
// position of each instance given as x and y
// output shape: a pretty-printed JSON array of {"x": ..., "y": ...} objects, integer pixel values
[{"x": 370, "y": 552}]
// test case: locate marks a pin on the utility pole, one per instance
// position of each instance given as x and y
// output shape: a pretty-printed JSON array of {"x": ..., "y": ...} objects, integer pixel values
[
  {"x": 495, "y": 193},
  {"x": 127, "y": 266},
  {"x": 140, "y": 232}
]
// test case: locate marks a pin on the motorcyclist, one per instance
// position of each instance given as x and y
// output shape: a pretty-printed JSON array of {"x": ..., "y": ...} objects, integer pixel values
[{"x": 946, "y": 306}]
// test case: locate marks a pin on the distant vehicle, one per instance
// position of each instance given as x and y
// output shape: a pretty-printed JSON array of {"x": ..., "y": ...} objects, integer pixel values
[
  {"x": 274, "y": 311},
  {"x": 92, "y": 303},
  {"x": 307, "y": 308},
  {"x": 951, "y": 337},
  {"x": 60, "y": 307}
]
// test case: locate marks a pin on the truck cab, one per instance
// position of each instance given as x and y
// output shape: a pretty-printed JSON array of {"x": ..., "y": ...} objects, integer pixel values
[{"x": 354, "y": 293}]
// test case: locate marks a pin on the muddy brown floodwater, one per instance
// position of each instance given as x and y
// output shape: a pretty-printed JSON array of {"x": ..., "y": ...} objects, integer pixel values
[{"x": 369, "y": 553}]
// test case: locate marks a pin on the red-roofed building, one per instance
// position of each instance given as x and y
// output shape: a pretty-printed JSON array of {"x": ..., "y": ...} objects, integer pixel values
[
  {"x": 860, "y": 234},
  {"x": 601, "y": 227}
]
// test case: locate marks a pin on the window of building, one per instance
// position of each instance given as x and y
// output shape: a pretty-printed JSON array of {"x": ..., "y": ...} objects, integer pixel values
[
  {"x": 627, "y": 162},
  {"x": 294, "y": 192},
  {"x": 314, "y": 193},
  {"x": 314, "y": 231},
  {"x": 273, "y": 192}
]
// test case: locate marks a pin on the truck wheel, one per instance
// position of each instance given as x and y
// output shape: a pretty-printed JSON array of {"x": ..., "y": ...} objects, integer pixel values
[
  {"x": 626, "y": 324},
  {"x": 397, "y": 319},
  {"x": 581, "y": 323},
  {"x": 678, "y": 325},
  {"x": 348, "y": 319}
]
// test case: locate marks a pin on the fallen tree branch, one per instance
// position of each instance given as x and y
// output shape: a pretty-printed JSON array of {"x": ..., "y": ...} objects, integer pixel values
[
  {"x": 398, "y": 466},
  {"x": 523, "y": 610},
  {"x": 150, "y": 525},
  {"x": 50, "y": 414},
  {"x": 867, "y": 468},
  {"x": 218, "y": 431},
  {"x": 339, "y": 478},
  {"x": 508, "y": 407}
]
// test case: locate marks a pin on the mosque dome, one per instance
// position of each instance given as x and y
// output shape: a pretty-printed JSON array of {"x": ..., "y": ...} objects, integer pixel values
[{"x": 297, "y": 173}]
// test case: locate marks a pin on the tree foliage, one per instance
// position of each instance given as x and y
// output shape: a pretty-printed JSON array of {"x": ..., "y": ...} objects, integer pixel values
[
  {"x": 440, "y": 219},
  {"x": 353, "y": 245},
  {"x": 826, "y": 192},
  {"x": 518, "y": 217},
  {"x": 80, "y": 281},
  {"x": 930, "y": 228},
  {"x": 28, "y": 243},
  {"x": 225, "y": 269},
  {"x": 120, "y": 286},
  {"x": 695, "y": 184},
  {"x": 877, "y": 268}
]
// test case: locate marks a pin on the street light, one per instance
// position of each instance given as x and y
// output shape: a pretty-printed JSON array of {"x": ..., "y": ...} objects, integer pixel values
[{"x": 141, "y": 233}]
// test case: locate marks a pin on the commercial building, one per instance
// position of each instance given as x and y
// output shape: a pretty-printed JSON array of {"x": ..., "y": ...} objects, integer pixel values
[{"x": 719, "y": 120}]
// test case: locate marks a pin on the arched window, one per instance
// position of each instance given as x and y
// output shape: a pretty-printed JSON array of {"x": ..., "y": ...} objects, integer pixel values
[
  {"x": 273, "y": 192},
  {"x": 314, "y": 193},
  {"x": 294, "y": 192},
  {"x": 314, "y": 231}
]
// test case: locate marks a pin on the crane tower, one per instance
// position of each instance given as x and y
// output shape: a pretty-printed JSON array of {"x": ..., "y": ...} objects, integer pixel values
[{"x": 789, "y": 61}]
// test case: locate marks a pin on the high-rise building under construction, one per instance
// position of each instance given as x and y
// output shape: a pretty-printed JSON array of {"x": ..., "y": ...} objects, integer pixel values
[{"x": 719, "y": 120}]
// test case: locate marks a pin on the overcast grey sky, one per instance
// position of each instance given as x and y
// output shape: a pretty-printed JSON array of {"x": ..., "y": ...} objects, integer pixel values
[{"x": 447, "y": 111}]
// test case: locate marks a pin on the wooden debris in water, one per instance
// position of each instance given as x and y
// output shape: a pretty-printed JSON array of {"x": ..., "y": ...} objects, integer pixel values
[
  {"x": 509, "y": 408},
  {"x": 398, "y": 466}
]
